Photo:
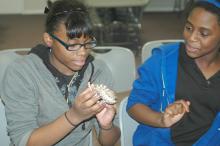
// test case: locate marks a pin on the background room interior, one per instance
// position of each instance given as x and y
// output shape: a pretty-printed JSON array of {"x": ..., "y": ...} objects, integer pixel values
[{"x": 22, "y": 23}]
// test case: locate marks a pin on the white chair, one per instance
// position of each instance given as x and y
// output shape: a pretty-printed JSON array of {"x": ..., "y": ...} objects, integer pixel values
[
  {"x": 121, "y": 62},
  {"x": 6, "y": 57},
  {"x": 147, "y": 48},
  {"x": 4, "y": 138},
  {"x": 127, "y": 124}
]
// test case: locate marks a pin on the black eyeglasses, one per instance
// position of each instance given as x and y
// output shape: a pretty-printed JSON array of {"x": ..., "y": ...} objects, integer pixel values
[{"x": 74, "y": 47}]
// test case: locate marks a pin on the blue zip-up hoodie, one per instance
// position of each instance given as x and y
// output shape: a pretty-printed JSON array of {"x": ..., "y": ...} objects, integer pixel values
[{"x": 155, "y": 88}]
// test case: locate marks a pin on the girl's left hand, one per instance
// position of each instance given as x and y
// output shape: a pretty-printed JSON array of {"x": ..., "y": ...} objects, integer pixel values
[{"x": 106, "y": 116}]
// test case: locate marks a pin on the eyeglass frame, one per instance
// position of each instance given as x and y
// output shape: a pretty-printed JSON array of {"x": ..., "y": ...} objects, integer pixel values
[{"x": 69, "y": 45}]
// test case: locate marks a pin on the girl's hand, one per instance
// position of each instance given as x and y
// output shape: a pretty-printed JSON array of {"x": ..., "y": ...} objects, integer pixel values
[
  {"x": 106, "y": 116},
  {"x": 85, "y": 106},
  {"x": 174, "y": 112}
]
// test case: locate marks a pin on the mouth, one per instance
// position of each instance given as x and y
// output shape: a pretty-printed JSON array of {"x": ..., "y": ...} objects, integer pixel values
[
  {"x": 79, "y": 62},
  {"x": 190, "y": 48}
]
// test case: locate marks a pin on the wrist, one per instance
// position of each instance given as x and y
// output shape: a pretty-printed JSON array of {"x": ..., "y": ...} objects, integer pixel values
[
  {"x": 164, "y": 120},
  {"x": 72, "y": 118},
  {"x": 107, "y": 127},
  {"x": 69, "y": 121},
  {"x": 161, "y": 122}
]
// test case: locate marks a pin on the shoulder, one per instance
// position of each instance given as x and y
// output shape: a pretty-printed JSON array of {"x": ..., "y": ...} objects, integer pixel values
[
  {"x": 102, "y": 72},
  {"x": 24, "y": 69},
  {"x": 167, "y": 49},
  {"x": 161, "y": 54},
  {"x": 97, "y": 72},
  {"x": 98, "y": 63},
  {"x": 100, "y": 66},
  {"x": 27, "y": 63}
]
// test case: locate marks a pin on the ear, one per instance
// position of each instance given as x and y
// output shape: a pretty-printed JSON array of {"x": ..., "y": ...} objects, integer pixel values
[{"x": 47, "y": 39}]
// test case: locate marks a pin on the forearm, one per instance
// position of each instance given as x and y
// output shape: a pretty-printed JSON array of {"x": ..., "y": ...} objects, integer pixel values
[
  {"x": 146, "y": 115},
  {"x": 109, "y": 137},
  {"x": 51, "y": 133}
]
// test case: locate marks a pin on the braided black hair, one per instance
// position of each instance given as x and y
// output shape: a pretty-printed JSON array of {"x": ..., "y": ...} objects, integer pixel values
[{"x": 72, "y": 13}]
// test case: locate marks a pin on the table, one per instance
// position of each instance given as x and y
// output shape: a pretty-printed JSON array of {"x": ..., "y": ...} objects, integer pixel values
[{"x": 115, "y": 3}]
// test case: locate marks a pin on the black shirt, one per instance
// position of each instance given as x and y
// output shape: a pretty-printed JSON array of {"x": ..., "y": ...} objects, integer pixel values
[{"x": 204, "y": 96}]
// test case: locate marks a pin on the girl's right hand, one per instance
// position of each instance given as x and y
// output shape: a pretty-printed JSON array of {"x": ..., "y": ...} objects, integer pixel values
[
  {"x": 85, "y": 106},
  {"x": 174, "y": 112}
]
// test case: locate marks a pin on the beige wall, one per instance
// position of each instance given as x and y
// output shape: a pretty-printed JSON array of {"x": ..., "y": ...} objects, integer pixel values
[
  {"x": 160, "y": 5},
  {"x": 11, "y": 6},
  {"x": 34, "y": 6},
  {"x": 165, "y": 5},
  {"x": 37, "y": 6}
]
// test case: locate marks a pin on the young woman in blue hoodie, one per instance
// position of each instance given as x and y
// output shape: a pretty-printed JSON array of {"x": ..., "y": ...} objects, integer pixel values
[{"x": 176, "y": 98}]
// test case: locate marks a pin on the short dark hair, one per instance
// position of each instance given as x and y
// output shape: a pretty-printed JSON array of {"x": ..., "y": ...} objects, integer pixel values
[
  {"x": 72, "y": 13},
  {"x": 205, "y": 5}
]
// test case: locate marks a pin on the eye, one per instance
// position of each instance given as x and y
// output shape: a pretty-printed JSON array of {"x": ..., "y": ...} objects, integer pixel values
[
  {"x": 204, "y": 33},
  {"x": 90, "y": 45},
  {"x": 188, "y": 28}
]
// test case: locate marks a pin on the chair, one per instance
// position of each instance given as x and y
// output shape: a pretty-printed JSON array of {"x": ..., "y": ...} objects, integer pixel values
[
  {"x": 4, "y": 138},
  {"x": 147, "y": 48},
  {"x": 121, "y": 62},
  {"x": 6, "y": 57},
  {"x": 127, "y": 124}
]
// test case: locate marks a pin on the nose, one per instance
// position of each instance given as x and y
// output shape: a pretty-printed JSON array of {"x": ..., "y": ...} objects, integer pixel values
[
  {"x": 82, "y": 51},
  {"x": 193, "y": 36}
]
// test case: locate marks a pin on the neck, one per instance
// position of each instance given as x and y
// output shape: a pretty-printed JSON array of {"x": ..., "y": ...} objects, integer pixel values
[{"x": 208, "y": 60}]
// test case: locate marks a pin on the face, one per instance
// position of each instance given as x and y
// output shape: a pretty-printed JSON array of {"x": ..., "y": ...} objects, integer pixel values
[
  {"x": 68, "y": 62},
  {"x": 202, "y": 34}
]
